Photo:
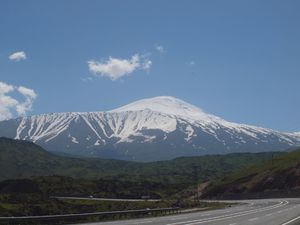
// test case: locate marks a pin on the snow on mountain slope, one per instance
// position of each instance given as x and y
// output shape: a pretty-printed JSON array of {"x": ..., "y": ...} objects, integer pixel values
[
  {"x": 150, "y": 129},
  {"x": 169, "y": 106},
  {"x": 297, "y": 134}
]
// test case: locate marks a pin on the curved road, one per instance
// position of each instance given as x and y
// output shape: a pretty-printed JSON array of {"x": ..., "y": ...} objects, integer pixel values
[{"x": 259, "y": 212}]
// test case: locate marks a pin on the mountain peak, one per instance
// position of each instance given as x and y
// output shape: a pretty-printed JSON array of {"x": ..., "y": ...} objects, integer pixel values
[
  {"x": 162, "y": 127},
  {"x": 167, "y": 105}
]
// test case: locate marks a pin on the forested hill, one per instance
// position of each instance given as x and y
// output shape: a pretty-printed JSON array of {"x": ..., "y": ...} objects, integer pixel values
[
  {"x": 275, "y": 178},
  {"x": 21, "y": 159}
]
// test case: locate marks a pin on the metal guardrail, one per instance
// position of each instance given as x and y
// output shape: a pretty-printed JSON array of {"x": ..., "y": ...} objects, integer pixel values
[
  {"x": 107, "y": 199},
  {"x": 106, "y": 215}
]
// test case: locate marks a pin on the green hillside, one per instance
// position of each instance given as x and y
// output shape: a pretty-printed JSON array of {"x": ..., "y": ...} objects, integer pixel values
[
  {"x": 275, "y": 178},
  {"x": 30, "y": 176},
  {"x": 21, "y": 159}
]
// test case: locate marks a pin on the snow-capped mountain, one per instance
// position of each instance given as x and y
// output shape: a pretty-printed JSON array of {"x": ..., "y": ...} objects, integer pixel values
[{"x": 150, "y": 129}]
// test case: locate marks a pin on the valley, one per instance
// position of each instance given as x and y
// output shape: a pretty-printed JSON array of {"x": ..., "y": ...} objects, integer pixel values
[{"x": 36, "y": 176}]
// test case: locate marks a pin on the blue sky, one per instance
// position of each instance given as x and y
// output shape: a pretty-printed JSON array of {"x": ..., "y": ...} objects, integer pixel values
[{"x": 236, "y": 59}]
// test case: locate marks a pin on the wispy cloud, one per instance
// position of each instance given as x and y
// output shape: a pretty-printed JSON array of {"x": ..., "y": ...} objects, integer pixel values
[
  {"x": 160, "y": 48},
  {"x": 147, "y": 65},
  {"x": 115, "y": 68},
  {"x": 26, "y": 105},
  {"x": 10, "y": 105},
  {"x": 191, "y": 63},
  {"x": 18, "y": 56},
  {"x": 86, "y": 79}
]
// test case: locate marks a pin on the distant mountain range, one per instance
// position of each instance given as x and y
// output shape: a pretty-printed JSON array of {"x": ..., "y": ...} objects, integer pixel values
[{"x": 147, "y": 130}]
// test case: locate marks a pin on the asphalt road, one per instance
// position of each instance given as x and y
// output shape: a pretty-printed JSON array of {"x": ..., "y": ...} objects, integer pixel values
[{"x": 259, "y": 212}]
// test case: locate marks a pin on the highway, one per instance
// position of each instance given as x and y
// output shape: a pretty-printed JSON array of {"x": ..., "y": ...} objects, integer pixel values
[{"x": 259, "y": 212}]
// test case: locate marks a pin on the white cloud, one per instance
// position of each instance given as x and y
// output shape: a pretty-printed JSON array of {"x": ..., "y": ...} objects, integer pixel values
[
  {"x": 5, "y": 88},
  {"x": 26, "y": 105},
  {"x": 160, "y": 48},
  {"x": 10, "y": 105},
  {"x": 29, "y": 93},
  {"x": 115, "y": 68},
  {"x": 17, "y": 56},
  {"x": 6, "y": 102},
  {"x": 147, "y": 64}
]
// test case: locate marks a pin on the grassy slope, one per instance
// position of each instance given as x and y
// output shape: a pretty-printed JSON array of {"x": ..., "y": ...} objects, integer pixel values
[
  {"x": 277, "y": 177},
  {"x": 101, "y": 178},
  {"x": 20, "y": 159},
  {"x": 37, "y": 204}
]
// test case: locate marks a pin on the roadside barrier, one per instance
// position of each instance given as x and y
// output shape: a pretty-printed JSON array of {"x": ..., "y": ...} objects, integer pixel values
[{"x": 90, "y": 217}]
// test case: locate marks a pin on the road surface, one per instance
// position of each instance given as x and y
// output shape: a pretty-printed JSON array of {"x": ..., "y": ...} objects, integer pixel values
[{"x": 255, "y": 212}]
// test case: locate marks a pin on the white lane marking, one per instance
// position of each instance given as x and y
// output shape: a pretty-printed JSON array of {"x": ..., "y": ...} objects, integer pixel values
[
  {"x": 238, "y": 215},
  {"x": 179, "y": 217},
  {"x": 233, "y": 224},
  {"x": 252, "y": 219},
  {"x": 229, "y": 216},
  {"x": 288, "y": 222},
  {"x": 147, "y": 221},
  {"x": 270, "y": 214}
]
